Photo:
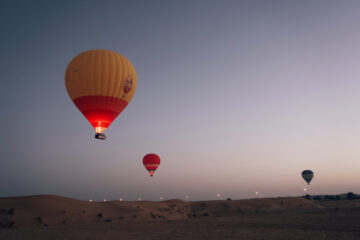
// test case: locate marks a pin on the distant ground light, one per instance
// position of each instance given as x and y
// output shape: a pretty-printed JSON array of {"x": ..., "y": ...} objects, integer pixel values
[
  {"x": 218, "y": 195},
  {"x": 121, "y": 199},
  {"x": 139, "y": 199},
  {"x": 90, "y": 200},
  {"x": 186, "y": 197},
  {"x": 161, "y": 198},
  {"x": 104, "y": 200}
]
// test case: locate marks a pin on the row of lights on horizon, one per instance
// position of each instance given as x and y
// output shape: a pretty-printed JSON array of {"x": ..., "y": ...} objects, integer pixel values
[{"x": 218, "y": 196}]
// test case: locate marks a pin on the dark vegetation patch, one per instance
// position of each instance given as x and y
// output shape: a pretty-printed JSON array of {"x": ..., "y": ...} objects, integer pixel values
[
  {"x": 38, "y": 220},
  {"x": 11, "y": 211},
  {"x": 347, "y": 196},
  {"x": 10, "y": 224},
  {"x": 161, "y": 216},
  {"x": 165, "y": 209},
  {"x": 225, "y": 205}
]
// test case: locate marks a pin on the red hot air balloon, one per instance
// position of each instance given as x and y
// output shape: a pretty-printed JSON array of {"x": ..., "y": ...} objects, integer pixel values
[{"x": 151, "y": 162}]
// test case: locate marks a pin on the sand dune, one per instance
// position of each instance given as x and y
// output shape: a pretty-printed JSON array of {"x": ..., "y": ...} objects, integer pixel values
[
  {"x": 48, "y": 210},
  {"x": 35, "y": 217}
]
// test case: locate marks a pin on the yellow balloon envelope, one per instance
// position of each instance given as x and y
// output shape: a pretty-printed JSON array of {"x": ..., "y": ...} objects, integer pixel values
[{"x": 101, "y": 84}]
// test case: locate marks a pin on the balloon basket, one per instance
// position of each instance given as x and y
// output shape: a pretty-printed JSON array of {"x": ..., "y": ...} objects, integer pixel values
[{"x": 100, "y": 136}]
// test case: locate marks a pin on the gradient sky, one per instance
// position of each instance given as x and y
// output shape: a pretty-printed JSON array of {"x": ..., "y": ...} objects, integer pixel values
[{"x": 235, "y": 97}]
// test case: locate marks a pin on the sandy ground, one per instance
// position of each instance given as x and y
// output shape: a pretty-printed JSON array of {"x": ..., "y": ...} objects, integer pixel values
[{"x": 52, "y": 217}]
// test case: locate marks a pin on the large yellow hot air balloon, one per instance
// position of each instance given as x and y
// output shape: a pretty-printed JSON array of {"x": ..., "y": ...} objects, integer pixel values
[{"x": 101, "y": 84}]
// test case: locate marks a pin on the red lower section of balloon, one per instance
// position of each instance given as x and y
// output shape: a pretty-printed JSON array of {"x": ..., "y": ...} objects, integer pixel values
[
  {"x": 151, "y": 168},
  {"x": 100, "y": 110}
]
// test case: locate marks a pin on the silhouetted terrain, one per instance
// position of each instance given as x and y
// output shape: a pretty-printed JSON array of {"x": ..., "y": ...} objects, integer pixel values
[
  {"x": 54, "y": 217},
  {"x": 345, "y": 196}
]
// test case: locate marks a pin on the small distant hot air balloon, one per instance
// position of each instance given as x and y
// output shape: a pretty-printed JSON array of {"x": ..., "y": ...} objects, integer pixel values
[
  {"x": 101, "y": 84},
  {"x": 307, "y": 176},
  {"x": 151, "y": 162}
]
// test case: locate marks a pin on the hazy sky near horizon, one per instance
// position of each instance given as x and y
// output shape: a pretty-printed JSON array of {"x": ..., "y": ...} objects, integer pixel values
[{"x": 235, "y": 97}]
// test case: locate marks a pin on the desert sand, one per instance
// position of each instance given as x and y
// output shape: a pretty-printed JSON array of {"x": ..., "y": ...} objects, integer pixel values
[{"x": 55, "y": 217}]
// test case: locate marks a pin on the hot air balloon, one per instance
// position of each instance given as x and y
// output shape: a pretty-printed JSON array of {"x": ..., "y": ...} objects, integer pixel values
[
  {"x": 307, "y": 176},
  {"x": 101, "y": 84},
  {"x": 151, "y": 162}
]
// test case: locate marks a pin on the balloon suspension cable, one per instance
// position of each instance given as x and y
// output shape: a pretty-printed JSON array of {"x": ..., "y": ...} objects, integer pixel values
[{"x": 100, "y": 136}]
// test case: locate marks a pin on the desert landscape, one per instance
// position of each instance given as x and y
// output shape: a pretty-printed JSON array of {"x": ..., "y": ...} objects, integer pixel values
[
  {"x": 55, "y": 217},
  {"x": 180, "y": 120}
]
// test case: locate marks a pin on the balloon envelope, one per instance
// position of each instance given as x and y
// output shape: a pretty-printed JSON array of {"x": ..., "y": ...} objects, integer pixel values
[
  {"x": 151, "y": 162},
  {"x": 101, "y": 84},
  {"x": 307, "y": 175}
]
